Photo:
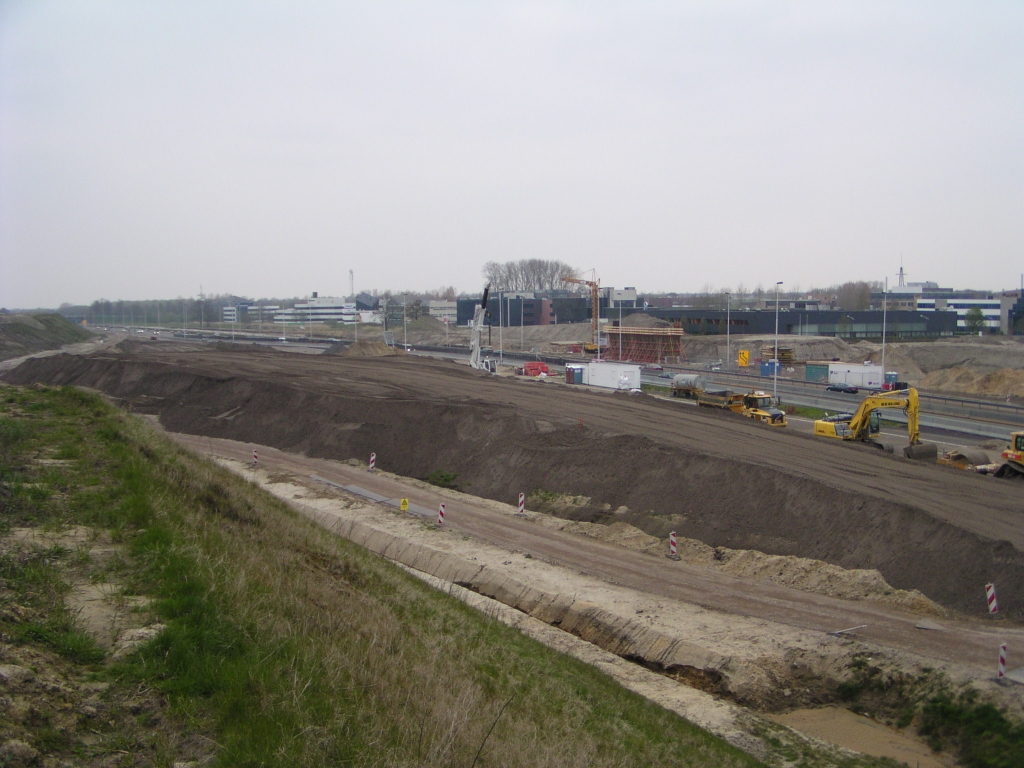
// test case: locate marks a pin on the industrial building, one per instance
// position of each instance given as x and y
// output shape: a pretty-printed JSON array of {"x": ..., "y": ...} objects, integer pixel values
[
  {"x": 319, "y": 309},
  {"x": 865, "y": 324}
]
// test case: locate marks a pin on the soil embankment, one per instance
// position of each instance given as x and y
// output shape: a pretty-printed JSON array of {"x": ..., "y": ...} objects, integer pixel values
[
  {"x": 656, "y": 465},
  {"x": 25, "y": 334}
]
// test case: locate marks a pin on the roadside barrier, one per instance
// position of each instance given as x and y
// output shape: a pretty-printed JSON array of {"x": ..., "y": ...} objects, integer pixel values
[
  {"x": 673, "y": 548},
  {"x": 1001, "y": 672},
  {"x": 255, "y": 459},
  {"x": 440, "y": 514},
  {"x": 373, "y": 461},
  {"x": 522, "y": 503},
  {"x": 990, "y": 594}
]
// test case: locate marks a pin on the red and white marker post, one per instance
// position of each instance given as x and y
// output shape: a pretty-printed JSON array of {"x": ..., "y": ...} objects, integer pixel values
[
  {"x": 673, "y": 548},
  {"x": 990, "y": 595},
  {"x": 255, "y": 459},
  {"x": 1001, "y": 672},
  {"x": 522, "y": 503},
  {"x": 440, "y": 514},
  {"x": 373, "y": 461}
]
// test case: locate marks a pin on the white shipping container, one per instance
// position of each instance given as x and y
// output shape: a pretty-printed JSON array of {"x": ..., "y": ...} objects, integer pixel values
[
  {"x": 613, "y": 375},
  {"x": 856, "y": 375}
]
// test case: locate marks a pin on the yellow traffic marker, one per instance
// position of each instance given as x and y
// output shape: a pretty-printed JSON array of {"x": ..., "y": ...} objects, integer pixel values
[{"x": 404, "y": 506}]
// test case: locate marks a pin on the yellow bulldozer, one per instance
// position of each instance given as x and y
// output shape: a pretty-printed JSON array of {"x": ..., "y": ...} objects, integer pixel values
[{"x": 865, "y": 425}]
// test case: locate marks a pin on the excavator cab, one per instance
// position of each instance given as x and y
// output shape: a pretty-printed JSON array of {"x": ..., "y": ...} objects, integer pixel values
[{"x": 874, "y": 424}]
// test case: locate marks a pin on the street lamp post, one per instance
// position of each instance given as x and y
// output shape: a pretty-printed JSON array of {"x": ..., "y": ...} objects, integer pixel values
[
  {"x": 728, "y": 329},
  {"x": 885, "y": 306},
  {"x": 405, "y": 326},
  {"x": 522, "y": 322},
  {"x": 775, "y": 370}
]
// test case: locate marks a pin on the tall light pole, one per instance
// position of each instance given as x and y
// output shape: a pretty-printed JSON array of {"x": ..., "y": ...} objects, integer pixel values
[
  {"x": 775, "y": 370},
  {"x": 501, "y": 322},
  {"x": 405, "y": 326},
  {"x": 728, "y": 328},
  {"x": 620, "y": 326},
  {"x": 885, "y": 306},
  {"x": 522, "y": 311}
]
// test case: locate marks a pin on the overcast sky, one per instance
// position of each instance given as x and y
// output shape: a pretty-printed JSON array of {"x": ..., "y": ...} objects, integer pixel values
[{"x": 265, "y": 149}]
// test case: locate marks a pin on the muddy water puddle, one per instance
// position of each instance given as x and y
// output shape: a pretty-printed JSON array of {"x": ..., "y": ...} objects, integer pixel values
[{"x": 845, "y": 729}]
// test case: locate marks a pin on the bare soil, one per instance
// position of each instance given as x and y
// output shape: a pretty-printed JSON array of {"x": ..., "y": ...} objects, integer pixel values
[{"x": 711, "y": 477}]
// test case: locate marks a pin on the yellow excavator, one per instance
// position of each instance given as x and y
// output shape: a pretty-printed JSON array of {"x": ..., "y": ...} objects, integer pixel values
[{"x": 865, "y": 424}]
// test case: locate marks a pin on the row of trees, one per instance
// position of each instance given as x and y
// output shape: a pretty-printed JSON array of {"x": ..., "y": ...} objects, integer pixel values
[{"x": 528, "y": 275}]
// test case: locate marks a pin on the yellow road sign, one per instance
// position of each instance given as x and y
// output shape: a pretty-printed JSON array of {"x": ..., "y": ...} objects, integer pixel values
[
  {"x": 405, "y": 505},
  {"x": 743, "y": 358}
]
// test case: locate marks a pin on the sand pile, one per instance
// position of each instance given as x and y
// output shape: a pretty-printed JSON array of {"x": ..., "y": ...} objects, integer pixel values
[
  {"x": 370, "y": 349},
  {"x": 962, "y": 380},
  {"x": 797, "y": 572},
  {"x": 640, "y": 320}
]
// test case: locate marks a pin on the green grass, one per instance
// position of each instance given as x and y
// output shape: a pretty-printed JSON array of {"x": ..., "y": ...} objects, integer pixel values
[
  {"x": 443, "y": 479},
  {"x": 286, "y": 645},
  {"x": 982, "y": 735}
]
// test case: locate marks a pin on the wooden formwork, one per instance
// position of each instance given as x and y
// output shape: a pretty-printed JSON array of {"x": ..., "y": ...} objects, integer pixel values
[{"x": 645, "y": 345}]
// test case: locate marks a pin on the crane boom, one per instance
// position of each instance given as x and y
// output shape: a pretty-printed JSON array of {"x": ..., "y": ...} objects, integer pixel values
[{"x": 595, "y": 311}]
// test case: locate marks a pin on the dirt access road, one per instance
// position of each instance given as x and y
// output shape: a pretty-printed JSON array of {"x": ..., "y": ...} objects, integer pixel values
[
  {"x": 710, "y": 476},
  {"x": 968, "y": 642}
]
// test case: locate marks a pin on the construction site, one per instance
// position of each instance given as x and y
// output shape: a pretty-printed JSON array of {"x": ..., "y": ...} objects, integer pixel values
[{"x": 793, "y": 556}]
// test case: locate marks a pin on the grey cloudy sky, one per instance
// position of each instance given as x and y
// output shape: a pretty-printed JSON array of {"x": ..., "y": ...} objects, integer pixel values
[{"x": 266, "y": 148}]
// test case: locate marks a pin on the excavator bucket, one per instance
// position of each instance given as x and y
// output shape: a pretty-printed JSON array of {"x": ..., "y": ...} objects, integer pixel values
[{"x": 922, "y": 452}]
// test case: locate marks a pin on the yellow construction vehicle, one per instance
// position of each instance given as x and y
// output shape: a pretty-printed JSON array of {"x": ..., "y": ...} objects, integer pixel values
[
  {"x": 759, "y": 406},
  {"x": 1014, "y": 456},
  {"x": 753, "y": 405},
  {"x": 865, "y": 424}
]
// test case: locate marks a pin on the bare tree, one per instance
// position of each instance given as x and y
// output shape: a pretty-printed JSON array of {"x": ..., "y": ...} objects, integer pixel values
[
  {"x": 853, "y": 296},
  {"x": 528, "y": 274}
]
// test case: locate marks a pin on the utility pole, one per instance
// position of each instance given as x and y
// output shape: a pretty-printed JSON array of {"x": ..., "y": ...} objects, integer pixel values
[
  {"x": 885, "y": 306},
  {"x": 775, "y": 370},
  {"x": 405, "y": 326},
  {"x": 728, "y": 329}
]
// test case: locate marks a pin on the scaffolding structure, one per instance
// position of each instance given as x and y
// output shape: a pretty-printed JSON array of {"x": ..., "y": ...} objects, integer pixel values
[{"x": 644, "y": 345}]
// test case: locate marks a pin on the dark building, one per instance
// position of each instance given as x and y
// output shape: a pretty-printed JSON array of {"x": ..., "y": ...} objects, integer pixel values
[
  {"x": 367, "y": 303},
  {"x": 820, "y": 322}
]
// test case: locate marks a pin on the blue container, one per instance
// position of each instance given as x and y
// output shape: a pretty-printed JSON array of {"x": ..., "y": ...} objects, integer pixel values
[{"x": 769, "y": 367}]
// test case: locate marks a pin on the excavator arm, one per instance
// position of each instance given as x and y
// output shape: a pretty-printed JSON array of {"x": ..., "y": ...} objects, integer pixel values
[
  {"x": 908, "y": 402},
  {"x": 859, "y": 427}
]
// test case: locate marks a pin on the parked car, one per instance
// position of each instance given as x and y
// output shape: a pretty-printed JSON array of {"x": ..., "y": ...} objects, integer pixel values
[{"x": 847, "y": 388}]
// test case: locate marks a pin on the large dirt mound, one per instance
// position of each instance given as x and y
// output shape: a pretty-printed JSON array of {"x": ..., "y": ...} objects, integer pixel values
[
  {"x": 979, "y": 354},
  {"x": 640, "y": 320},
  {"x": 365, "y": 349},
  {"x": 702, "y": 348},
  {"x": 25, "y": 334},
  {"x": 962, "y": 380},
  {"x": 709, "y": 476}
]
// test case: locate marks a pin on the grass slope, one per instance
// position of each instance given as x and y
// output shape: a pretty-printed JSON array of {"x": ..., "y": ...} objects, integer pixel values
[
  {"x": 25, "y": 334},
  {"x": 286, "y": 646}
]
